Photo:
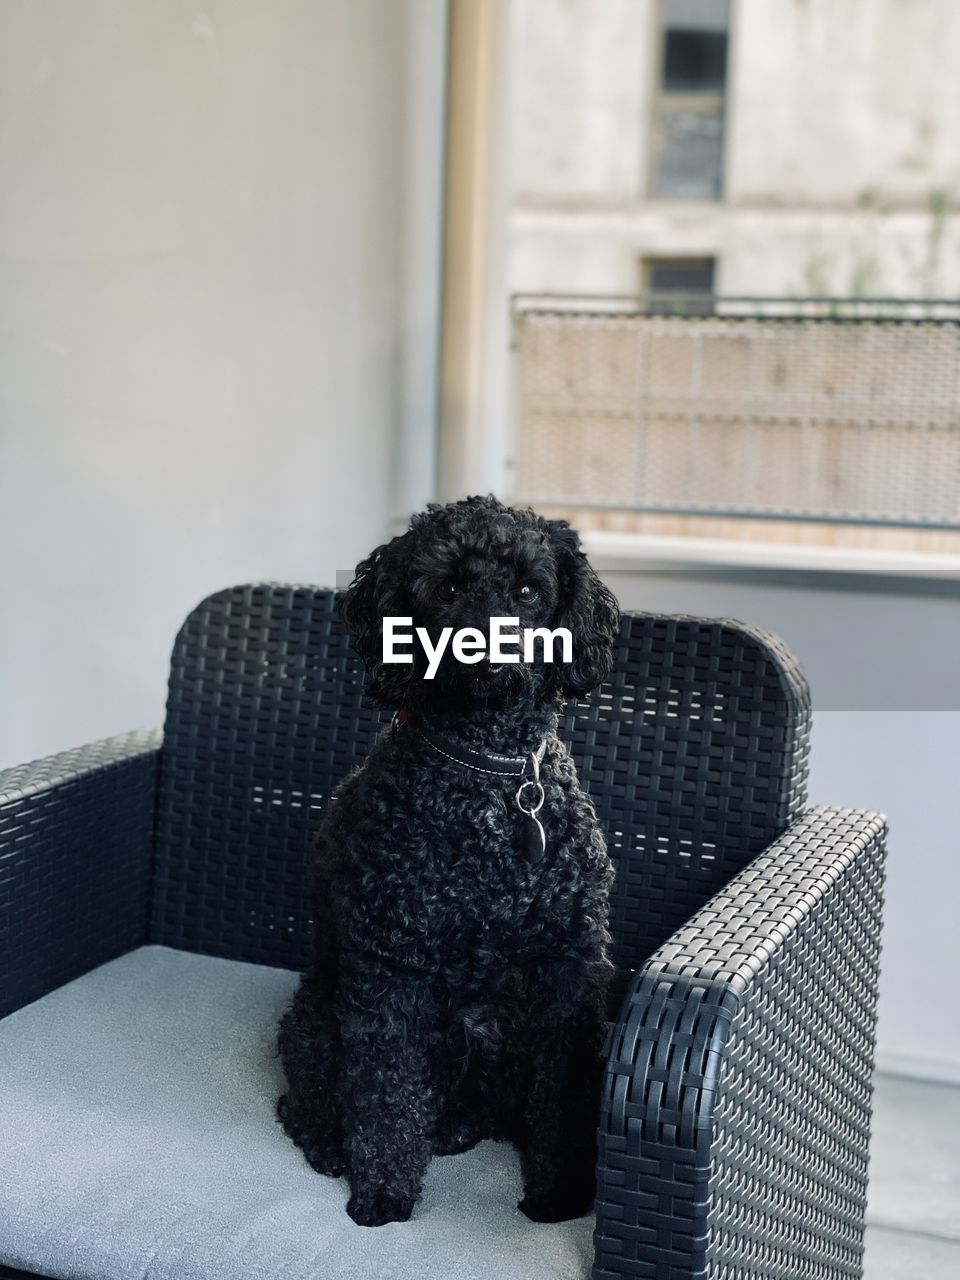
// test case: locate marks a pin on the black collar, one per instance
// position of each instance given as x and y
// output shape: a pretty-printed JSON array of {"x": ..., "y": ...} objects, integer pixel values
[{"x": 480, "y": 761}]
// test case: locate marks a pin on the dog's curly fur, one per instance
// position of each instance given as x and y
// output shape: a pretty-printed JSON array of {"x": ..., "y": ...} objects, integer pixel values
[{"x": 457, "y": 990}]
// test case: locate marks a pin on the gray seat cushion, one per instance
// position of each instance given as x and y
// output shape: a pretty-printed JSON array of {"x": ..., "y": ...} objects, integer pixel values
[{"x": 137, "y": 1142}]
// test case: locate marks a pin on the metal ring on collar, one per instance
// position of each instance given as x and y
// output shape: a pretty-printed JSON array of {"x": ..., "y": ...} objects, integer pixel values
[{"x": 520, "y": 790}]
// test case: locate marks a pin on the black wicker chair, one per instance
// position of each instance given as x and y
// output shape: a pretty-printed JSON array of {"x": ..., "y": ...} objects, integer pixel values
[{"x": 735, "y": 1116}]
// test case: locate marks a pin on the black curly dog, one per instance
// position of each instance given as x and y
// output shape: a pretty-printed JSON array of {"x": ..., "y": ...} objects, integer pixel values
[{"x": 457, "y": 990}]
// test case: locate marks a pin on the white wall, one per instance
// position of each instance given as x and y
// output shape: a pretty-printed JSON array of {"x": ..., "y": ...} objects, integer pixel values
[
  {"x": 219, "y": 257},
  {"x": 833, "y": 102},
  {"x": 885, "y": 681},
  {"x": 905, "y": 764}
]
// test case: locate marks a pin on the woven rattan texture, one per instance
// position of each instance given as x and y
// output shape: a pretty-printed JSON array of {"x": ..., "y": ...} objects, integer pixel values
[
  {"x": 75, "y": 845},
  {"x": 736, "y": 1113},
  {"x": 694, "y": 751},
  {"x": 264, "y": 716}
]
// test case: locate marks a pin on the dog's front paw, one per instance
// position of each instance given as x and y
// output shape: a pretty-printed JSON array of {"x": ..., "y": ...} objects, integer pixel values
[
  {"x": 323, "y": 1155},
  {"x": 557, "y": 1205},
  {"x": 374, "y": 1208},
  {"x": 325, "y": 1159}
]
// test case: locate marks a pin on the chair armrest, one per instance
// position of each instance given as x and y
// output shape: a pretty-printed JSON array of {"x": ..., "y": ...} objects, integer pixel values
[
  {"x": 736, "y": 1111},
  {"x": 76, "y": 835}
]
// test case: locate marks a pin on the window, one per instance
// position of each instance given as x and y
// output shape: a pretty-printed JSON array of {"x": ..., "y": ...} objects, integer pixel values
[
  {"x": 679, "y": 275},
  {"x": 690, "y": 102},
  {"x": 687, "y": 281}
]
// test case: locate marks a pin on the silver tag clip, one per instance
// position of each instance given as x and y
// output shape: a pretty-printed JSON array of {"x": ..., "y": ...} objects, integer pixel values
[{"x": 531, "y": 806}]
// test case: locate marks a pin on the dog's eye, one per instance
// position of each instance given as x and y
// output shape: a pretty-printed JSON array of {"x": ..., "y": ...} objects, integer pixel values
[
  {"x": 445, "y": 591},
  {"x": 526, "y": 592}
]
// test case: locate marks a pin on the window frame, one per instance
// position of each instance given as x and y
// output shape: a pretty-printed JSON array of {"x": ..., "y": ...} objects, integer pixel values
[
  {"x": 649, "y": 261},
  {"x": 679, "y": 103}
]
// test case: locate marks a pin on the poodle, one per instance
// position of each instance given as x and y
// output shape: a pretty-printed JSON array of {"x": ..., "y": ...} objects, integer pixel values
[{"x": 457, "y": 989}]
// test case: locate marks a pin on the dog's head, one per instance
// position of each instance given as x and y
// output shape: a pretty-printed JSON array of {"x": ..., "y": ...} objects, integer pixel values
[{"x": 459, "y": 566}]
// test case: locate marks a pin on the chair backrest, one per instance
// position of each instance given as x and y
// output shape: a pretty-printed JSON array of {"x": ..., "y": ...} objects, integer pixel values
[{"x": 694, "y": 752}]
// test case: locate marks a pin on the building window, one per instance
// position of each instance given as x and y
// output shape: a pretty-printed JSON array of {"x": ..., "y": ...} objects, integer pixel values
[
  {"x": 686, "y": 282},
  {"x": 690, "y": 101}
]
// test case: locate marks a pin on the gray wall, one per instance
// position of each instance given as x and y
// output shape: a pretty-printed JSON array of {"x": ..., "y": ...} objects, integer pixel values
[
  {"x": 219, "y": 256},
  {"x": 885, "y": 681}
]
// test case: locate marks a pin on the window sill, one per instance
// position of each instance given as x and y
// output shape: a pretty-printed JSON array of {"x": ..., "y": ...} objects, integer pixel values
[{"x": 787, "y": 564}]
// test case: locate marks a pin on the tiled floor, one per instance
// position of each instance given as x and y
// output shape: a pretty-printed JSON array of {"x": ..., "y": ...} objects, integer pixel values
[{"x": 914, "y": 1206}]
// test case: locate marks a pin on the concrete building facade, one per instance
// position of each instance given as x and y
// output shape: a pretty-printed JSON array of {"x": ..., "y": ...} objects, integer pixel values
[{"x": 834, "y": 126}]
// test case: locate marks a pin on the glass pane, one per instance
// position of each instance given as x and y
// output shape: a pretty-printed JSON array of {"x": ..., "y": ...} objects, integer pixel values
[
  {"x": 681, "y": 275},
  {"x": 689, "y": 155},
  {"x": 695, "y": 62}
]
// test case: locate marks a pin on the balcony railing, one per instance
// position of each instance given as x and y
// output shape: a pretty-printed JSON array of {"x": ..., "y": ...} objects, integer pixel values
[{"x": 835, "y": 410}]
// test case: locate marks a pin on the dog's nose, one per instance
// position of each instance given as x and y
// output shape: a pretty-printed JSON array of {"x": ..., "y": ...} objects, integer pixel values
[{"x": 481, "y": 620}]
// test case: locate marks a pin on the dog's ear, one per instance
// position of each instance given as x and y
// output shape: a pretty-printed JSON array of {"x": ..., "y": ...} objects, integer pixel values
[
  {"x": 587, "y": 608},
  {"x": 374, "y": 594}
]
